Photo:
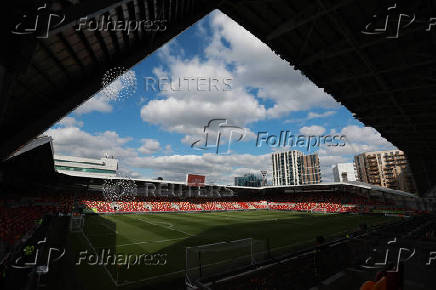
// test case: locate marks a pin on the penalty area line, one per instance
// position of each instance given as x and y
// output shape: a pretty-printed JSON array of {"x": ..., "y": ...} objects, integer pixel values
[
  {"x": 150, "y": 242},
  {"x": 104, "y": 266},
  {"x": 169, "y": 227}
]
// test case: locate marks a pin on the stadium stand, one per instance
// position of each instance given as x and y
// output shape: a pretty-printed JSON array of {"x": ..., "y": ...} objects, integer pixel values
[
  {"x": 22, "y": 217},
  {"x": 309, "y": 202},
  {"x": 19, "y": 215}
]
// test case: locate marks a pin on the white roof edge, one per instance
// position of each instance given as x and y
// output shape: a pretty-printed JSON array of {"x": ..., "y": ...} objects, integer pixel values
[
  {"x": 39, "y": 141},
  {"x": 363, "y": 185},
  {"x": 77, "y": 158},
  {"x": 90, "y": 175}
]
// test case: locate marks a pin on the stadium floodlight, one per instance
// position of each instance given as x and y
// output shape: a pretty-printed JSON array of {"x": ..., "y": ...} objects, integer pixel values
[{"x": 264, "y": 173}]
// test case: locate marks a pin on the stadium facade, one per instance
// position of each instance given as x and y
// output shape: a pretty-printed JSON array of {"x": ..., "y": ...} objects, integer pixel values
[
  {"x": 388, "y": 169},
  {"x": 294, "y": 168},
  {"x": 249, "y": 179},
  {"x": 79, "y": 166},
  {"x": 343, "y": 172}
]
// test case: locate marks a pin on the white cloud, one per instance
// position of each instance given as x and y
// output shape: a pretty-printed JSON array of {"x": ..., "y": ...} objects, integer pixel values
[
  {"x": 313, "y": 115},
  {"x": 69, "y": 122},
  {"x": 187, "y": 111},
  {"x": 367, "y": 135},
  {"x": 74, "y": 141},
  {"x": 126, "y": 172},
  {"x": 119, "y": 89},
  {"x": 168, "y": 149},
  {"x": 98, "y": 103},
  {"x": 149, "y": 146},
  {"x": 220, "y": 169},
  {"x": 310, "y": 116},
  {"x": 258, "y": 66},
  {"x": 358, "y": 140},
  {"x": 312, "y": 130}
]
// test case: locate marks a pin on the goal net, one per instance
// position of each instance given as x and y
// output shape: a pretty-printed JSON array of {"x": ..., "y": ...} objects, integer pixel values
[
  {"x": 206, "y": 261},
  {"x": 76, "y": 223}
]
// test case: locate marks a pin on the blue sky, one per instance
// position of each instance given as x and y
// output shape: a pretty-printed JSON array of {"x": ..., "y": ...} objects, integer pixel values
[{"x": 151, "y": 132}]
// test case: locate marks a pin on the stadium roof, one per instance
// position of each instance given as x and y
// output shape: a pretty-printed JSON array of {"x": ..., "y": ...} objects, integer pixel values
[
  {"x": 32, "y": 145},
  {"x": 88, "y": 175},
  {"x": 324, "y": 185},
  {"x": 33, "y": 164},
  {"x": 385, "y": 78},
  {"x": 371, "y": 189}
]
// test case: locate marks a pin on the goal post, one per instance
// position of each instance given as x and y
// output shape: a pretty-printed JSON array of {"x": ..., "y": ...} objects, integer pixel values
[
  {"x": 206, "y": 261},
  {"x": 76, "y": 223},
  {"x": 317, "y": 210}
]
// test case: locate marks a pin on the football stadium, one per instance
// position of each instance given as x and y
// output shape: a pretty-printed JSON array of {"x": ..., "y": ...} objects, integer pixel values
[
  {"x": 73, "y": 219},
  {"x": 112, "y": 232}
]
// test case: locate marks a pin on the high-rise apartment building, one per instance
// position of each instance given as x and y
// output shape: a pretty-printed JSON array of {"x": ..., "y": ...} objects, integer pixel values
[
  {"x": 309, "y": 169},
  {"x": 343, "y": 172},
  {"x": 294, "y": 168},
  {"x": 385, "y": 168},
  {"x": 285, "y": 167}
]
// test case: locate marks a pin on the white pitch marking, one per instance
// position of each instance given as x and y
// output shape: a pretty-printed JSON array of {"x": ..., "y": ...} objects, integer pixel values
[
  {"x": 150, "y": 242},
  {"x": 170, "y": 226}
]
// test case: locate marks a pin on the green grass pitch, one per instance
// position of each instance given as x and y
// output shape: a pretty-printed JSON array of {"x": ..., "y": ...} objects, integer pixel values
[{"x": 170, "y": 233}]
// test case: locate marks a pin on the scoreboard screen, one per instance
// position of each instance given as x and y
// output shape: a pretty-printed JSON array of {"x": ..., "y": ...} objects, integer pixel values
[{"x": 195, "y": 180}]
